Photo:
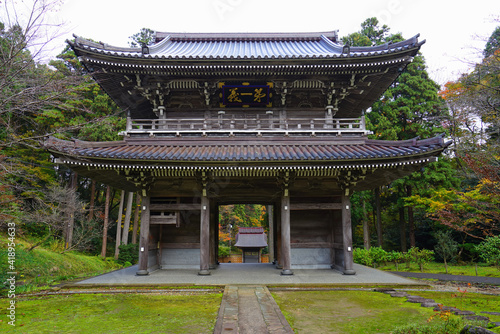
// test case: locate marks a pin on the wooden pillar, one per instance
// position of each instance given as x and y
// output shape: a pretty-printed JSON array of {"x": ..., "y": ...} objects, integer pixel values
[
  {"x": 270, "y": 221},
  {"x": 144, "y": 238},
  {"x": 347, "y": 235},
  {"x": 205, "y": 236},
  {"x": 277, "y": 236},
  {"x": 285, "y": 235}
]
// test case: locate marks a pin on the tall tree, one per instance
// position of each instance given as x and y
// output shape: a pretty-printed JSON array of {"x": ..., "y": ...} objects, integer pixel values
[
  {"x": 27, "y": 88},
  {"x": 474, "y": 99},
  {"x": 493, "y": 44},
  {"x": 411, "y": 107}
]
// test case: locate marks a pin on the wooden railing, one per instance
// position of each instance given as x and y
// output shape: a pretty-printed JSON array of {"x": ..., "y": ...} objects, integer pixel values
[{"x": 248, "y": 125}]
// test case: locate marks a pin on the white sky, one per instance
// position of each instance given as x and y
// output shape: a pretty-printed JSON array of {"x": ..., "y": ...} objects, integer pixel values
[{"x": 454, "y": 30}]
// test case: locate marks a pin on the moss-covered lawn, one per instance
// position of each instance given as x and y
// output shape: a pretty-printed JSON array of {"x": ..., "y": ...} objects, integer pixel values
[
  {"x": 347, "y": 311},
  {"x": 358, "y": 311},
  {"x": 453, "y": 269},
  {"x": 467, "y": 301},
  {"x": 115, "y": 313}
]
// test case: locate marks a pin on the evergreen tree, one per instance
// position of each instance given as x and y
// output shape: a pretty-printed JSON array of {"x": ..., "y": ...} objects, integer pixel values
[
  {"x": 409, "y": 108},
  {"x": 145, "y": 36},
  {"x": 493, "y": 43}
]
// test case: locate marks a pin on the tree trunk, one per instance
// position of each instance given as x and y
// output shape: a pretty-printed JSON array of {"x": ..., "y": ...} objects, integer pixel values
[
  {"x": 136, "y": 217},
  {"x": 128, "y": 214},
  {"x": 119, "y": 225},
  {"x": 411, "y": 223},
  {"x": 379, "y": 219},
  {"x": 402, "y": 227},
  {"x": 71, "y": 210},
  {"x": 106, "y": 222},
  {"x": 366, "y": 225},
  {"x": 92, "y": 200}
]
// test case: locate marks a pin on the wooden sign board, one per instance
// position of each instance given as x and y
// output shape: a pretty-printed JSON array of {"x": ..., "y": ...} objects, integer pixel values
[{"x": 245, "y": 94}]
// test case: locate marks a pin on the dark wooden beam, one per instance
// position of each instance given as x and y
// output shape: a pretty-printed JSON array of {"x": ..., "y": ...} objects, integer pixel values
[
  {"x": 205, "y": 237},
  {"x": 175, "y": 207},
  {"x": 180, "y": 245},
  {"x": 316, "y": 206},
  {"x": 311, "y": 245},
  {"x": 144, "y": 238},
  {"x": 347, "y": 235},
  {"x": 285, "y": 236}
]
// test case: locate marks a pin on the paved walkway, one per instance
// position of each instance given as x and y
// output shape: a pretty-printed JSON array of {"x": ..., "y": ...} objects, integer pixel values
[
  {"x": 248, "y": 273},
  {"x": 250, "y": 309},
  {"x": 457, "y": 278}
]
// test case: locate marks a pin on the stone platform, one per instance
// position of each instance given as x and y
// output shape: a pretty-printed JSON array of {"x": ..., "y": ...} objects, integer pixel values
[{"x": 247, "y": 273}]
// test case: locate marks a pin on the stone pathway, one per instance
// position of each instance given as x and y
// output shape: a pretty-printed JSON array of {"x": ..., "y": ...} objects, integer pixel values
[
  {"x": 424, "y": 302},
  {"x": 250, "y": 309}
]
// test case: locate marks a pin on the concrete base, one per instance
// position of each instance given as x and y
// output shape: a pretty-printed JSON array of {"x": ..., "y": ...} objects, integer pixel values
[
  {"x": 286, "y": 272},
  {"x": 349, "y": 272},
  {"x": 142, "y": 273},
  {"x": 302, "y": 258},
  {"x": 237, "y": 273},
  {"x": 204, "y": 272}
]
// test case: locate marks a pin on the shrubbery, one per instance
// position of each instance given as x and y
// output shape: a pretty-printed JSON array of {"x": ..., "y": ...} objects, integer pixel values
[
  {"x": 223, "y": 251},
  {"x": 376, "y": 256},
  {"x": 489, "y": 250},
  {"x": 128, "y": 253}
]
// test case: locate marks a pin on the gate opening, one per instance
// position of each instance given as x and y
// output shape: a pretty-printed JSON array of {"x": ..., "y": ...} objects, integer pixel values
[{"x": 245, "y": 235}]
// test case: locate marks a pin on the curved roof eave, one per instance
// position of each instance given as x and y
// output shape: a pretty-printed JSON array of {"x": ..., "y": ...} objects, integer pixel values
[{"x": 252, "y": 49}]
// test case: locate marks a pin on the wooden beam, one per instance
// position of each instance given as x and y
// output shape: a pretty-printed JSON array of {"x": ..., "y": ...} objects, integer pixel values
[
  {"x": 205, "y": 237},
  {"x": 144, "y": 238},
  {"x": 347, "y": 235},
  {"x": 285, "y": 236},
  {"x": 311, "y": 245},
  {"x": 180, "y": 245},
  {"x": 175, "y": 207},
  {"x": 270, "y": 221},
  {"x": 316, "y": 206}
]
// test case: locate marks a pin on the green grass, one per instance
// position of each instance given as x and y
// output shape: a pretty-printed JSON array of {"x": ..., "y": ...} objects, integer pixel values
[
  {"x": 464, "y": 300},
  {"x": 438, "y": 268},
  {"x": 47, "y": 266},
  {"x": 351, "y": 311},
  {"x": 115, "y": 313}
]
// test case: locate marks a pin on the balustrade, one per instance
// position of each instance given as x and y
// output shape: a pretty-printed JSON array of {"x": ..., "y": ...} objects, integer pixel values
[{"x": 249, "y": 124}]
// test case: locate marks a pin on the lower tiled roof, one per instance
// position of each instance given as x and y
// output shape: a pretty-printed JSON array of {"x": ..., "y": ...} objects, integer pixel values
[{"x": 307, "y": 149}]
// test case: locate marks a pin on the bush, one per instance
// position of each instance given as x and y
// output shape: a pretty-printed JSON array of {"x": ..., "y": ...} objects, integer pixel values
[
  {"x": 128, "y": 253},
  {"x": 378, "y": 255},
  {"x": 396, "y": 257},
  {"x": 469, "y": 253},
  {"x": 489, "y": 250},
  {"x": 421, "y": 256},
  {"x": 223, "y": 251},
  {"x": 362, "y": 256},
  {"x": 372, "y": 257}
]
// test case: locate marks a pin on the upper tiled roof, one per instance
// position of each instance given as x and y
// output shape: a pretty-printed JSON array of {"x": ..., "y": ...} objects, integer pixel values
[{"x": 247, "y": 46}]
